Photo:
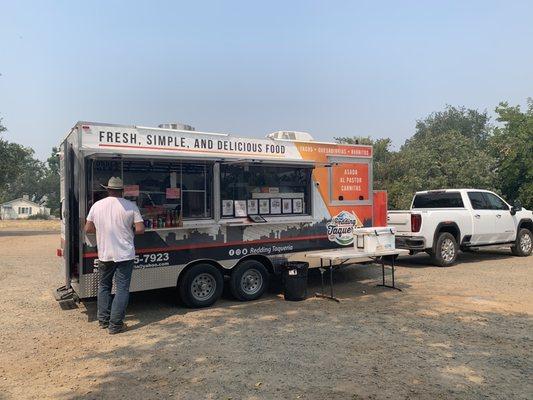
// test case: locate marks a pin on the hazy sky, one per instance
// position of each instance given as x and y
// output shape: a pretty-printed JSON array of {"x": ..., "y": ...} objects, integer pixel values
[{"x": 248, "y": 68}]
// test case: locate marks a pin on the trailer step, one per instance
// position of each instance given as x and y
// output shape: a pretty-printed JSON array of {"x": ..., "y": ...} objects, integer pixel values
[{"x": 66, "y": 297}]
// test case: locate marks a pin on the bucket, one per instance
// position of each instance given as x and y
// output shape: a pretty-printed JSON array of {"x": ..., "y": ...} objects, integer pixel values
[{"x": 295, "y": 280}]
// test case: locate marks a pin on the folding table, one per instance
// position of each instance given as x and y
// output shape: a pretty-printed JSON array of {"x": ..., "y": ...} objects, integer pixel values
[{"x": 346, "y": 254}]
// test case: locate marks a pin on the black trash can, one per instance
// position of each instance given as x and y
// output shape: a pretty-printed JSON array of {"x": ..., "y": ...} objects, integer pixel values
[{"x": 295, "y": 280}]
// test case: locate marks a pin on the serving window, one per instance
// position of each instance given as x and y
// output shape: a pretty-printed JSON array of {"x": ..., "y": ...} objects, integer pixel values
[
  {"x": 258, "y": 189},
  {"x": 165, "y": 192}
]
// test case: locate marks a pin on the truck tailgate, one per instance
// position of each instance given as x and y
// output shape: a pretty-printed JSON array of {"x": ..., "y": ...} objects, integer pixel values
[{"x": 400, "y": 219}]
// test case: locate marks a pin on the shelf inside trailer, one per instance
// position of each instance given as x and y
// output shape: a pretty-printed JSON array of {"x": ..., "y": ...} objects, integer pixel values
[
  {"x": 269, "y": 221},
  {"x": 209, "y": 224},
  {"x": 238, "y": 222}
]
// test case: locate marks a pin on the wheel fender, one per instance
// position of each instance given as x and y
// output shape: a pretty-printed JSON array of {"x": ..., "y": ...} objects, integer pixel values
[
  {"x": 443, "y": 226},
  {"x": 200, "y": 261},
  {"x": 525, "y": 223}
]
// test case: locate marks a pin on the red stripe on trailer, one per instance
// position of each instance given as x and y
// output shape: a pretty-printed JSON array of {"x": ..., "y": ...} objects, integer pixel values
[{"x": 206, "y": 245}]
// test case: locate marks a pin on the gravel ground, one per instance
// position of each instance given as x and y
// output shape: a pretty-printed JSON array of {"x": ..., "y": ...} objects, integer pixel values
[
  {"x": 30, "y": 225},
  {"x": 464, "y": 332}
]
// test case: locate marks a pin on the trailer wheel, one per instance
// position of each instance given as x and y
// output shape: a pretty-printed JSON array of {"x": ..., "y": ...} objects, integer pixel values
[
  {"x": 201, "y": 286},
  {"x": 249, "y": 280},
  {"x": 445, "y": 253}
]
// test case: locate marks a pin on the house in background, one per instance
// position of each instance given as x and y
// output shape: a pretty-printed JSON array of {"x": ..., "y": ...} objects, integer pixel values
[{"x": 21, "y": 208}]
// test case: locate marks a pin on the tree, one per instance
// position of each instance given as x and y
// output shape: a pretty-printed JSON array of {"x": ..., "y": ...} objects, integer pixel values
[
  {"x": 13, "y": 158},
  {"x": 443, "y": 161},
  {"x": 512, "y": 146},
  {"x": 22, "y": 174},
  {"x": 51, "y": 182},
  {"x": 448, "y": 150},
  {"x": 38, "y": 180},
  {"x": 470, "y": 123}
]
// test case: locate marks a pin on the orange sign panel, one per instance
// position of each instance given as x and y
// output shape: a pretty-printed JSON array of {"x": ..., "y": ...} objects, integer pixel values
[{"x": 350, "y": 182}]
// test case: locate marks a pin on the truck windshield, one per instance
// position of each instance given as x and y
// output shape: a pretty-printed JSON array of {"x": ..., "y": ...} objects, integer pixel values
[{"x": 438, "y": 200}]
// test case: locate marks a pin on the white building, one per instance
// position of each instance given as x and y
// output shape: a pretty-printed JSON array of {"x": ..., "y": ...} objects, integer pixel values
[{"x": 21, "y": 208}]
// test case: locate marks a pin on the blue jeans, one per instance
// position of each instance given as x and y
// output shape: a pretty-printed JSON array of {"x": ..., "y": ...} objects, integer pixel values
[{"x": 113, "y": 310}]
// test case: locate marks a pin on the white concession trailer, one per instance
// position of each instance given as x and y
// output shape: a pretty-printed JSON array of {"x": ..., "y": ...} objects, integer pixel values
[{"x": 213, "y": 205}]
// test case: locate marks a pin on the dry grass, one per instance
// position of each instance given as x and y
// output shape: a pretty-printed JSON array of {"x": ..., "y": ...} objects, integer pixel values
[{"x": 29, "y": 225}]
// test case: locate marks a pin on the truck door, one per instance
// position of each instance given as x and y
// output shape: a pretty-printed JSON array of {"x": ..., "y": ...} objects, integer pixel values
[
  {"x": 483, "y": 220},
  {"x": 504, "y": 227}
]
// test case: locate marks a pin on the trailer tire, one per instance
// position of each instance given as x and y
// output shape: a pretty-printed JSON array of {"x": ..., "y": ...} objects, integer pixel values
[
  {"x": 249, "y": 280},
  {"x": 201, "y": 286},
  {"x": 523, "y": 244},
  {"x": 446, "y": 249}
]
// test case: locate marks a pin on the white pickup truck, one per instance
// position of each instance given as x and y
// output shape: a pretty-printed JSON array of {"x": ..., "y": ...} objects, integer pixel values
[{"x": 440, "y": 222}]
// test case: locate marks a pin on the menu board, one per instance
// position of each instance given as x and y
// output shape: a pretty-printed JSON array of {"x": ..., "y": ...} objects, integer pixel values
[{"x": 350, "y": 182}]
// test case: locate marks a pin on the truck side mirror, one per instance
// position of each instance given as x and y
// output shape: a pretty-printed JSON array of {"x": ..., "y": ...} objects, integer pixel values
[{"x": 517, "y": 207}]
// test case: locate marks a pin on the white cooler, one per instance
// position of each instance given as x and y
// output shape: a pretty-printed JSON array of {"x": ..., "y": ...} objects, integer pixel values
[{"x": 371, "y": 240}]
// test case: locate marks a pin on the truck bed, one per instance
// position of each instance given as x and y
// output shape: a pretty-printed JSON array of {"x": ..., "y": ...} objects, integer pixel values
[{"x": 400, "y": 219}]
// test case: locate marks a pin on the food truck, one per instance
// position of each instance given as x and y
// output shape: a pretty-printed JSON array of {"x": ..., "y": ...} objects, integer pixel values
[{"x": 214, "y": 205}]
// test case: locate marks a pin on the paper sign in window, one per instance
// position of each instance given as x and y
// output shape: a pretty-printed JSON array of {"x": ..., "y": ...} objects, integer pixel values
[
  {"x": 131, "y": 190},
  {"x": 287, "y": 206},
  {"x": 240, "y": 208},
  {"x": 349, "y": 182},
  {"x": 173, "y": 193},
  {"x": 298, "y": 206},
  {"x": 264, "y": 206},
  {"x": 253, "y": 206},
  {"x": 227, "y": 208},
  {"x": 275, "y": 206}
]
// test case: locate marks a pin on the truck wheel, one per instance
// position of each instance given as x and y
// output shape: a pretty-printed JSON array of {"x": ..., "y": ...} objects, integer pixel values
[
  {"x": 201, "y": 286},
  {"x": 249, "y": 280},
  {"x": 523, "y": 244},
  {"x": 445, "y": 252}
]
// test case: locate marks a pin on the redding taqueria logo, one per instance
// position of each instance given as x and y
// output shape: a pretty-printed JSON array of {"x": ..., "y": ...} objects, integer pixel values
[{"x": 340, "y": 228}]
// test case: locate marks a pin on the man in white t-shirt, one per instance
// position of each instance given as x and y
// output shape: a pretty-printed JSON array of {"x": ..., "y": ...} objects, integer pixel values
[{"x": 113, "y": 219}]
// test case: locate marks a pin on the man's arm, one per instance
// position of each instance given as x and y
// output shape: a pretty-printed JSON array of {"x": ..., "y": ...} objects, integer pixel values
[
  {"x": 89, "y": 227},
  {"x": 138, "y": 221},
  {"x": 89, "y": 222},
  {"x": 139, "y": 228}
]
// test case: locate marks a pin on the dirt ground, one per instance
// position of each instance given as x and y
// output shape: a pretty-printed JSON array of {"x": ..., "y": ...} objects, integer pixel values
[
  {"x": 12, "y": 225},
  {"x": 464, "y": 332}
]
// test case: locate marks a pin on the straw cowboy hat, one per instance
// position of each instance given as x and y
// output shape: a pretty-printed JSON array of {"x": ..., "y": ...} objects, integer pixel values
[{"x": 114, "y": 183}]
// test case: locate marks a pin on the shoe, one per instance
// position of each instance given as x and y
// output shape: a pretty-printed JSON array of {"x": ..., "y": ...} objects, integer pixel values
[
  {"x": 120, "y": 329},
  {"x": 103, "y": 325}
]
